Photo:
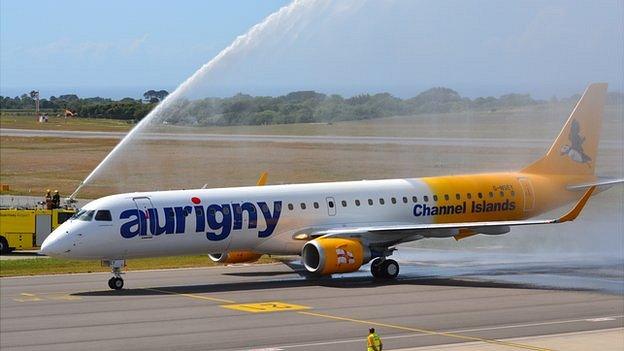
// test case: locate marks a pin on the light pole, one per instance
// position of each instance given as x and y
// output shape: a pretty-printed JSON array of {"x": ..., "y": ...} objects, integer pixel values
[{"x": 35, "y": 95}]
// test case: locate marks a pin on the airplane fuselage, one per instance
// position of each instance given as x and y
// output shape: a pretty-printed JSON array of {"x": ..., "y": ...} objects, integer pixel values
[{"x": 268, "y": 219}]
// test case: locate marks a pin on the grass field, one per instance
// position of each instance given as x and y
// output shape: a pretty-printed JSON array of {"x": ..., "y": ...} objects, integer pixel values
[
  {"x": 35, "y": 266},
  {"x": 12, "y": 120},
  {"x": 470, "y": 124}
]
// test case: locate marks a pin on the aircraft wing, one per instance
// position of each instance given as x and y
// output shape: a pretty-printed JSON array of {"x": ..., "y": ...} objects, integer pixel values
[{"x": 394, "y": 234}]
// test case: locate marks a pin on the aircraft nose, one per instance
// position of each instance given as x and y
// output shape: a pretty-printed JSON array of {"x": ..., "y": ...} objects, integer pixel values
[
  {"x": 53, "y": 245},
  {"x": 49, "y": 247}
]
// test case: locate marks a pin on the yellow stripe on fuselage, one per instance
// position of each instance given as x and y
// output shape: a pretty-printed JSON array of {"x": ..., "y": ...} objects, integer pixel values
[{"x": 493, "y": 196}]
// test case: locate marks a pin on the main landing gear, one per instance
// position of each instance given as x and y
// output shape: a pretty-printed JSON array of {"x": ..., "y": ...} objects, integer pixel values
[
  {"x": 116, "y": 282},
  {"x": 383, "y": 268}
]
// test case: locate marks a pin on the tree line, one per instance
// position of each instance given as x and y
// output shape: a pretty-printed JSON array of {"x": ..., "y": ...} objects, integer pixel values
[
  {"x": 96, "y": 107},
  {"x": 295, "y": 107}
]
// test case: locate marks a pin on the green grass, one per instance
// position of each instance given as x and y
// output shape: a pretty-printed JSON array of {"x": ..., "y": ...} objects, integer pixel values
[
  {"x": 38, "y": 266},
  {"x": 18, "y": 121}
]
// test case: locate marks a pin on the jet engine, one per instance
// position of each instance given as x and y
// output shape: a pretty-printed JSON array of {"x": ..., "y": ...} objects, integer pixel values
[
  {"x": 334, "y": 255},
  {"x": 235, "y": 257}
]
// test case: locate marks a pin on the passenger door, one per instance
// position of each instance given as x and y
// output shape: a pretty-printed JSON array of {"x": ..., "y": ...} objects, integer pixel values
[
  {"x": 143, "y": 204},
  {"x": 527, "y": 194}
]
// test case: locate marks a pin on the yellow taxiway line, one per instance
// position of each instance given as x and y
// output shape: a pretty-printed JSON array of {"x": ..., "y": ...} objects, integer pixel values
[{"x": 193, "y": 296}]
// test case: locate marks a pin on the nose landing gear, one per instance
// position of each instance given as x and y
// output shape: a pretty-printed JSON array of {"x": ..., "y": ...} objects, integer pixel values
[{"x": 116, "y": 282}]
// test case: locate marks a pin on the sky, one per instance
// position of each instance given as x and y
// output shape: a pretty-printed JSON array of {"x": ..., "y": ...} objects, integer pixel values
[{"x": 479, "y": 48}]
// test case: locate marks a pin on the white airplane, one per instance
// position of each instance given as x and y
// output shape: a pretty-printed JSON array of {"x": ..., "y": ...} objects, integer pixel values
[{"x": 338, "y": 227}]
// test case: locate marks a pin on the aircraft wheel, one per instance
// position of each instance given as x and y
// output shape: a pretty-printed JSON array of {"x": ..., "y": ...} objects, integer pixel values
[
  {"x": 389, "y": 269},
  {"x": 115, "y": 283},
  {"x": 376, "y": 268},
  {"x": 4, "y": 246}
]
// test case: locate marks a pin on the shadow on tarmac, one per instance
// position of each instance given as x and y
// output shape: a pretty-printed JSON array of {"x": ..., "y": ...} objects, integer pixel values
[{"x": 340, "y": 283}]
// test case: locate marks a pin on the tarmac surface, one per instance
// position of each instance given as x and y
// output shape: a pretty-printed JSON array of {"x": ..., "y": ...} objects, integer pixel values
[
  {"x": 271, "y": 307},
  {"x": 314, "y": 139}
]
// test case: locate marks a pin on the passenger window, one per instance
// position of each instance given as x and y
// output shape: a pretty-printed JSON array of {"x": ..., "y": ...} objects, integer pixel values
[
  {"x": 316, "y": 205},
  {"x": 491, "y": 194},
  {"x": 331, "y": 204},
  {"x": 344, "y": 203},
  {"x": 480, "y": 195},
  {"x": 303, "y": 206},
  {"x": 226, "y": 210},
  {"x": 381, "y": 201},
  {"x": 513, "y": 193},
  {"x": 370, "y": 202},
  {"x": 278, "y": 207},
  {"x": 446, "y": 197},
  {"x": 502, "y": 194},
  {"x": 357, "y": 202},
  {"x": 393, "y": 200},
  {"x": 404, "y": 199},
  {"x": 435, "y": 197},
  {"x": 457, "y": 196},
  {"x": 239, "y": 209},
  {"x": 414, "y": 199},
  {"x": 291, "y": 207},
  {"x": 103, "y": 215},
  {"x": 469, "y": 196},
  {"x": 426, "y": 198}
]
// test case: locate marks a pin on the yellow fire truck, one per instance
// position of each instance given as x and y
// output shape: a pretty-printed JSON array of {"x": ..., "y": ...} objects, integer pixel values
[{"x": 26, "y": 229}]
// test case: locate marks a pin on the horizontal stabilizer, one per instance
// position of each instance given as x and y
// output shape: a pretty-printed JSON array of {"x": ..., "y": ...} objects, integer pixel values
[{"x": 603, "y": 182}]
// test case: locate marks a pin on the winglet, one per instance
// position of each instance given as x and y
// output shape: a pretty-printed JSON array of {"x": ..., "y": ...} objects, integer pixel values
[
  {"x": 263, "y": 179},
  {"x": 574, "y": 212}
]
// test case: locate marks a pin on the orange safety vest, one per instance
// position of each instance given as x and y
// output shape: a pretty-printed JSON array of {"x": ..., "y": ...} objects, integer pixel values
[{"x": 373, "y": 342}]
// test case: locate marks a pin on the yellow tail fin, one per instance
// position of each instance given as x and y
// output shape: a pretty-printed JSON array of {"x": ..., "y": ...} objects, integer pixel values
[{"x": 575, "y": 149}]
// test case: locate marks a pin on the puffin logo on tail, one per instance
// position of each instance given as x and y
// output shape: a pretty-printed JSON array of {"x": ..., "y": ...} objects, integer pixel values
[{"x": 575, "y": 149}]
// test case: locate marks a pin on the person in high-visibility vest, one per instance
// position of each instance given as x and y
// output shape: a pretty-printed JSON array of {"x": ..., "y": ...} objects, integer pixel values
[
  {"x": 373, "y": 341},
  {"x": 48, "y": 200}
]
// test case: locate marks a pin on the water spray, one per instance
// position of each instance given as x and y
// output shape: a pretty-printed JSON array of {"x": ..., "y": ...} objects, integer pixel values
[{"x": 239, "y": 43}]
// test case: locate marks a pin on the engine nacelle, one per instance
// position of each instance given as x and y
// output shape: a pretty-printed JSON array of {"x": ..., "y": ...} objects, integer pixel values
[
  {"x": 235, "y": 257},
  {"x": 334, "y": 255}
]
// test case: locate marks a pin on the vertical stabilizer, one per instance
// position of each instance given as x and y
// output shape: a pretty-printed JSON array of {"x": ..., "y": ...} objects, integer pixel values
[{"x": 575, "y": 150}]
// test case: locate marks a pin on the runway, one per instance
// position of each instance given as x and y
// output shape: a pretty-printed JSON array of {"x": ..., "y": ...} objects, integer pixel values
[
  {"x": 270, "y": 307},
  {"x": 312, "y": 139}
]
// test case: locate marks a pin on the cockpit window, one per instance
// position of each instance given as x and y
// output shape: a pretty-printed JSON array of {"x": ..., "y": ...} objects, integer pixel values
[
  {"x": 103, "y": 215},
  {"x": 84, "y": 215}
]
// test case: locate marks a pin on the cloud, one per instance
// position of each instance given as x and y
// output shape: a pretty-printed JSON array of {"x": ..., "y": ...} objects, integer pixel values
[{"x": 88, "y": 49}]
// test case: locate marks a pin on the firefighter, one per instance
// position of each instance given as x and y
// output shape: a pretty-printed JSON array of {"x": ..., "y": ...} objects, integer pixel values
[
  {"x": 56, "y": 200},
  {"x": 48, "y": 200},
  {"x": 373, "y": 341}
]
